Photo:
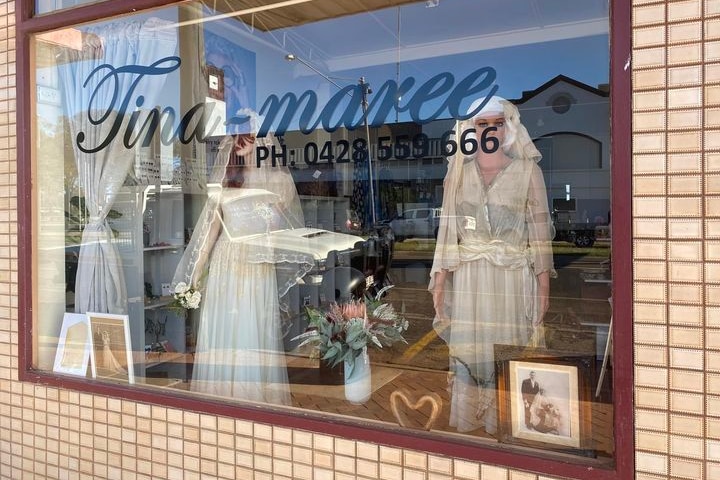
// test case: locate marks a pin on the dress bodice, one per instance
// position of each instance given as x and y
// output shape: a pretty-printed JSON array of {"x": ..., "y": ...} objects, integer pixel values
[
  {"x": 250, "y": 212},
  {"x": 497, "y": 211}
]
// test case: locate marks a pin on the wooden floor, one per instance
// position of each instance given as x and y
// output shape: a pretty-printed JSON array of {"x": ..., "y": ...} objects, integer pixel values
[
  {"x": 420, "y": 366},
  {"x": 418, "y": 382},
  {"x": 313, "y": 390}
]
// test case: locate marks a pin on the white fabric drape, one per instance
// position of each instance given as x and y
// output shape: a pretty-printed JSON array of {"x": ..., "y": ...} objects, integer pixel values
[{"x": 91, "y": 91}]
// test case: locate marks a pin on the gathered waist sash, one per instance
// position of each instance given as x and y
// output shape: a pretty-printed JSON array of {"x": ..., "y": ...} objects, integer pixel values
[
  {"x": 496, "y": 252},
  {"x": 503, "y": 255}
]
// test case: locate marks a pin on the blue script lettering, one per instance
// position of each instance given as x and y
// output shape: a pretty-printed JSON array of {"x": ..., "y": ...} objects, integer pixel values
[
  {"x": 343, "y": 109},
  {"x": 192, "y": 124},
  {"x": 380, "y": 107},
  {"x": 119, "y": 105}
]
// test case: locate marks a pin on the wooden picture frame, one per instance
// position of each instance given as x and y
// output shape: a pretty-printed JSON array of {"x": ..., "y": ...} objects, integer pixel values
[
  {"x": 111, "y": 353},
  {"x": 555, "y": 410},
  {"x": 73, "y": 350}
]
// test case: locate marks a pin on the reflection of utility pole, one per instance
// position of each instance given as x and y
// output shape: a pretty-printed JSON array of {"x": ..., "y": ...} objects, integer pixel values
[{"x": 365, "y": 90}]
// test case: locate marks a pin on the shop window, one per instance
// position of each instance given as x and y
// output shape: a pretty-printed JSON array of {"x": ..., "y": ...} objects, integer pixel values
[
  {"x": 337, "y": 210},
  {"x": 48, "y": 6}
]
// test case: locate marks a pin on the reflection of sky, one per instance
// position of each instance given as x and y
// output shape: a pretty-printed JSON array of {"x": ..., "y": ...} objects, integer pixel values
[{"x": 519, "y": 68}]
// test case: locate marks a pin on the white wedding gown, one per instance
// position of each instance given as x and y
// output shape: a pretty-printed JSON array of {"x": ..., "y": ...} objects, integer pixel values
[
  {"x": 239, "y": 351},
  {"x": 503, "y": 244}
]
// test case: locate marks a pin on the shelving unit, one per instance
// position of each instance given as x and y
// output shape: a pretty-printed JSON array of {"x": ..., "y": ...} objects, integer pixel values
[
  {"x": 152, "y": 244},
  {"x": 328, "y": 213}
]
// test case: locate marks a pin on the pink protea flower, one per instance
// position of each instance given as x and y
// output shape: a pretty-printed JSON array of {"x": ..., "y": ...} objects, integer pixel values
[{"x": 353, "y": 310}]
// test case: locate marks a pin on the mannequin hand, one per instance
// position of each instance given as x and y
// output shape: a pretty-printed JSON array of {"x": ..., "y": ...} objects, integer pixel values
[
  {"x": 438, "y": 295},
  {"x": 543, "y": 297}
]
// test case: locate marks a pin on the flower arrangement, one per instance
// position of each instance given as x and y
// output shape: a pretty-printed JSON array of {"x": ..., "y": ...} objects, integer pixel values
[
  {"x": 343, "y": 332},
  {"x": 185, "y": 297}
]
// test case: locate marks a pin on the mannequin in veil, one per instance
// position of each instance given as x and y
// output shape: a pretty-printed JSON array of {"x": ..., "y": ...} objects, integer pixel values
[
  {"x": 242, "y": 276},
  {"x": 490, "y": 278}
]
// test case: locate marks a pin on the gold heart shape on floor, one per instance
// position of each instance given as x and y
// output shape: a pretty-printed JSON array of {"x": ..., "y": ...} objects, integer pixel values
[{"x": 400, "y": 400}]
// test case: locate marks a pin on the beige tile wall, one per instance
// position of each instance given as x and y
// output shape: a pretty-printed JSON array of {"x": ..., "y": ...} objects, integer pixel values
[
  {"x": 676, "y": 205},
  {"x": 46, "y": 432}
]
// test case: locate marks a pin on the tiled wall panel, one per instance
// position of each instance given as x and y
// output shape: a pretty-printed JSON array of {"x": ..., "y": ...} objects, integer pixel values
[
  {"x": 676, "y": 334},
  {"x": 46, "y": 432}
]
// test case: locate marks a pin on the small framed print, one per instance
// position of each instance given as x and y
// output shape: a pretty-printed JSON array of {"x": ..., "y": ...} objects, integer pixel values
[
  {"x": 544, "y": 398},
  {"x": 73, "y": 350},
  {"x": 111, "y": 353}
]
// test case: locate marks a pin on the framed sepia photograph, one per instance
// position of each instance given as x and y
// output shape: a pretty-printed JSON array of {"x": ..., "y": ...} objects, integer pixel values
[
  {"x": 544, "y": 397},
  {"x": 111, "y": 353},
  {"x": 73, "y": 350}
]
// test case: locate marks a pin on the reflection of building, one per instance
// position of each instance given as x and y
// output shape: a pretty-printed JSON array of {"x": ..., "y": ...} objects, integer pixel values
[{"x": 568, "y": 121}]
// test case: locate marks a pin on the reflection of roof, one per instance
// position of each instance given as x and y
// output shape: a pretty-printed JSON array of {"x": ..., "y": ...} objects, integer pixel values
[
  {"x": 292, "y": 15},
  {"x": 528, "y": 94}
]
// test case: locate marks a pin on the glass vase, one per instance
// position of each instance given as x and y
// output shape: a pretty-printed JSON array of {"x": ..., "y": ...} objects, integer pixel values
[{"x": 357, "y": 380}]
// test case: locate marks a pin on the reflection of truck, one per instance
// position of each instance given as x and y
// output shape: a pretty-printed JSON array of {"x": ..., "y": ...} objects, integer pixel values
[
  {"x": 581, "y": 234},
  {"x": 416, "y": 222}
]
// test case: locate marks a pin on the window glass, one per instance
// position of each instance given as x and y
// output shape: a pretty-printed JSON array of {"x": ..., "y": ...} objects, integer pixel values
[
  {"x": 48, "y": 6},
  {"x": 335, "y": 207}
]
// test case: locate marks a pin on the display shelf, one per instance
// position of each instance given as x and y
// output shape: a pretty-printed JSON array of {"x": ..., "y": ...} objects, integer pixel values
[
  {"x": 155, "y": 217},
  {"x": 159, "y": 302},
  {"x": 161, "y": 248}
]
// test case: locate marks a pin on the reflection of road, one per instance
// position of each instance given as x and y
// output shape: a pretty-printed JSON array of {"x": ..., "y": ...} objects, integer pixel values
[
  {"x": 564, "y": 260},
  {"x": 573, "y": 302},
  {"x": 403, "y": 256},
  {"x": 423, "y": 349}
]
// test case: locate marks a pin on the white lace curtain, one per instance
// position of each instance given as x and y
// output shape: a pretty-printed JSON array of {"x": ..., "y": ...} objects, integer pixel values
[{"x": 90, "y": 89}]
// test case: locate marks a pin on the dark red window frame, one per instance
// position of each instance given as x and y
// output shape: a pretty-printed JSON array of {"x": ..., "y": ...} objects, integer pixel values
[{"x": 620, "y": 102}]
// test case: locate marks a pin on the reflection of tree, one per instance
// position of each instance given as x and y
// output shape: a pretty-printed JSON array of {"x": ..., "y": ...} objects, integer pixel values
[
  {"x": 391, "y": 195},
  {"x": 76, "y": 215}
]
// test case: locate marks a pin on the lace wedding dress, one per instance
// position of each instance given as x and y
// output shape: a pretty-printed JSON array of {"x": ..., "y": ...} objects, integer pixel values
[
  {"x": 493, "y": 241},
  {"x": 239, "y": 351},
  {"x": 243, "y": 278}
]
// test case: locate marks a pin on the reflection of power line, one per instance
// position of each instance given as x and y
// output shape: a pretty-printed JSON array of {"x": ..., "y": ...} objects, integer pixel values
[{"x": 291, "y": 57}]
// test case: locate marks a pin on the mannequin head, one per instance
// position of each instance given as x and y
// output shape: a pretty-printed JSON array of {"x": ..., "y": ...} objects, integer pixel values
[
  {"x": 495, "y": 113},
  {"x": 240, "y": 158},
  {"x": 244, "y": 143}
]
